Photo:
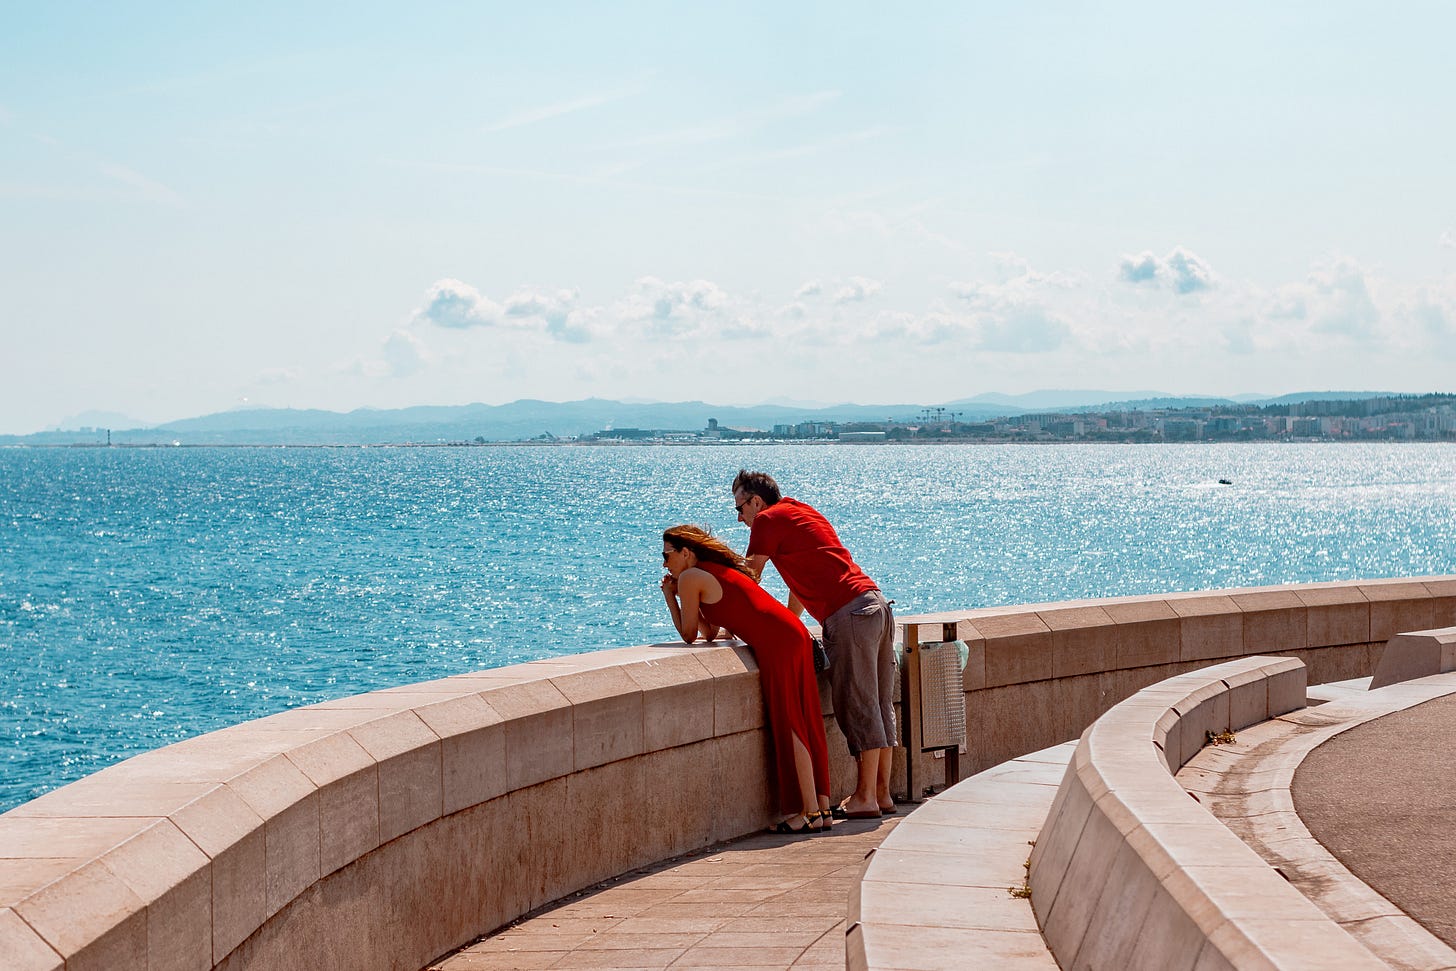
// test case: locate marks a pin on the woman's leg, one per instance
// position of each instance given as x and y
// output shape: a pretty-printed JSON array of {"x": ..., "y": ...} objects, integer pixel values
[{"x": 804, "y": 769}]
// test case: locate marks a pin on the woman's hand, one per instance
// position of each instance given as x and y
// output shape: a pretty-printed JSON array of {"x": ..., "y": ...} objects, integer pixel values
[{"x": 669, "y": 586}]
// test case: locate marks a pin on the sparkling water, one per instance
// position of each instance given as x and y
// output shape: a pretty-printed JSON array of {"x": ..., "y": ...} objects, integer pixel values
[{"x": 147, "y": 595}]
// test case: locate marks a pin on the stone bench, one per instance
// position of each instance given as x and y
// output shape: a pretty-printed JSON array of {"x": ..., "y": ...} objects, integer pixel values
[
  {"x": 1131, "y": 872},
  {"x": 936, "y": 892}
]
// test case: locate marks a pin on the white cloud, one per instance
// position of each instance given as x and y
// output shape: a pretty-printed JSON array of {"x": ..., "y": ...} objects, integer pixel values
[
  {"x": 1430, "y": 314},
  {"x": 857, "y": 289},
  {"x": 405, "y": 353},
  {"x": 1016, "y": 315},
  {"x": 556, "y": 312},
  {"x": 1028, "y": 320},
  {"x": 917, "y": 330},
  {"x": 457, "y": 305},
  {"x": 1339, "y": 302},
  {"x": 1142, "y": 268},
  {"x": 1190, "y": 273},
  {"x": 1181, "y": 271},
  {"x": 1023, "y": 330},
  {"x": 673, "y": 309},
  {"x": 1447, "y": 240}
]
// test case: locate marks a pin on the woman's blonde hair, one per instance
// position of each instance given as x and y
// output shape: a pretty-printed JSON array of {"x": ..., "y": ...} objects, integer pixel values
[{"x": 707, "y": 547}]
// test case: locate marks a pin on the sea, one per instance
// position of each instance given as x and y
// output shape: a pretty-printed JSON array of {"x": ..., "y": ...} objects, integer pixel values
[{"x": 151, "y": 594}]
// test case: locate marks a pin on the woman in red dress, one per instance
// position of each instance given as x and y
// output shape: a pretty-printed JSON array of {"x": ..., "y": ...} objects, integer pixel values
[{"x": 708, "y": 587}]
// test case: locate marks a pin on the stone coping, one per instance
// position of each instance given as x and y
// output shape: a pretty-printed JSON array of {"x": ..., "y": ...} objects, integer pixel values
[
  {"x": 1248, "y": 787},
  {"x": 452, "y": 806},
  {"x": 936, "y": 894},
  {"x": 1129, "y": 871},
  {"x": 1032, "y": 642}
]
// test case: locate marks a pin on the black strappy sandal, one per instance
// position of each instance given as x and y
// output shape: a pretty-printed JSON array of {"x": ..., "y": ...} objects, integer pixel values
[{"x": 784, "y": 829}]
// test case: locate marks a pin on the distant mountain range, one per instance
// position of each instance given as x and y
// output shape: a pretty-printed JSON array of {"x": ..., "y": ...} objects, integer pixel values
[{"x": 528, "y": 419}]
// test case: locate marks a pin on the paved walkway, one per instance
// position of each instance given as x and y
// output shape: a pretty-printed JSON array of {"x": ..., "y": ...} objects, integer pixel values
[
  {"x": 1391, "y": 820},
  {"x": 760, "y": 902}
]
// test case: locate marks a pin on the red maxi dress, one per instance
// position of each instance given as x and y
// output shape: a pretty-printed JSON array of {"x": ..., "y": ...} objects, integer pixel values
[{"x": 784, "y": 653}]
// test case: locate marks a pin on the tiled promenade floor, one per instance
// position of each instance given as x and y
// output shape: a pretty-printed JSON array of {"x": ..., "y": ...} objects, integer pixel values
[
  {"x": 1391, "y": 820},
  {"x": 761, "y": 902}
]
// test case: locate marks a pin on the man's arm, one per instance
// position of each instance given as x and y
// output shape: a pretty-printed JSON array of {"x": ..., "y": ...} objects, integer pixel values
[
  {"x": 795, "y": 607},
  {"x": 756, "y": 565}
]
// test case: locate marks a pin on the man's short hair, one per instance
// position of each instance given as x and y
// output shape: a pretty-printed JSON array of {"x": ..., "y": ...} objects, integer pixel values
[{"x": 759, "y": 484}]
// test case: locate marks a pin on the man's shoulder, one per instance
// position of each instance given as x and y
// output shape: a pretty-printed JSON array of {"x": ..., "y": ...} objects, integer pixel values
[
  {"x": 795, "y": 522},
  {"x": 790, "y": 509}
]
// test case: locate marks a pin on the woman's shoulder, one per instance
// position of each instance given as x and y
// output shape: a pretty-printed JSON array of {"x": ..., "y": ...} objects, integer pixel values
[
  {"x": 704, "y": 582},
  {"x": 704, "y": 574}
]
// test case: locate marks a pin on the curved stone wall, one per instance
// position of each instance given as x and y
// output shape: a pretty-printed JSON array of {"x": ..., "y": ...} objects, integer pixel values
[
  {"x": 1130, "y": 872},
  {"x": 385, "y": 829}
]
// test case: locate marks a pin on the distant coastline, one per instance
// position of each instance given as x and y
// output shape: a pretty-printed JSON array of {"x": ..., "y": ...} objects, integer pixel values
[{"x": 1316, "y": 417}]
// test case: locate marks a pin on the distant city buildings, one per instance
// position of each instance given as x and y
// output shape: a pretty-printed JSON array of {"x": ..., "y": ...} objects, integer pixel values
[{"x": 1400, "y": 418}]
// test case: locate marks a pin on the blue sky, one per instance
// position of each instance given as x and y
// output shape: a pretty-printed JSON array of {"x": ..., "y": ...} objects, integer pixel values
[{"x": 212, "y": 206}]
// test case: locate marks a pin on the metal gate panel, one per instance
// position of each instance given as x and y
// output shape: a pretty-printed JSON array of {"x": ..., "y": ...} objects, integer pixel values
[{"x": 942, "y": 694}]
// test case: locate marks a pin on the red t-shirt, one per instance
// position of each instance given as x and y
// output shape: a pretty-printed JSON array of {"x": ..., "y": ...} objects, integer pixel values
[{"x": 809, "y": 556}]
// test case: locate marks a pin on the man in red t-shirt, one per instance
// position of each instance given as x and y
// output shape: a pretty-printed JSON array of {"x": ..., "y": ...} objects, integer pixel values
[{"x": 858, "y": 625}]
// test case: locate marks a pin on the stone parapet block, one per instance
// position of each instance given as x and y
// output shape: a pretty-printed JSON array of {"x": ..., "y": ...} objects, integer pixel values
[
  {"x": 411, "y": 777},
  {"x": 606, "y": 716},
  {"x": 737, "y": 699},
  {"x": 472, "y": 750},
  {"x": 23, "y": 949},
  {"x": 1417, "y": 654},
  {"x": 1443, "y": 597},
  {"x": 1147, "y": 633},
  {"x": 539, "y": 743},
  {"x": 347, "y": 778},
  {"x": 172, "y": 878},
  {"x": 1211, "y": 626},
  {"x": 1273, "y": 620},
  {"x": 91, "y": 917},
  {"x": 677, "y": 700},
  {"x": 1398, "y": 605},
  {"x": 1079, "y": 642},
  {"x": 1018, "y": 648},
  {"x": 1288, "y": 685}
]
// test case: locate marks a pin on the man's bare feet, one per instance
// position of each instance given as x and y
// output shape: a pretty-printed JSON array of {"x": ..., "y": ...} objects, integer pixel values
[{"x": 850, "y": 809}]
